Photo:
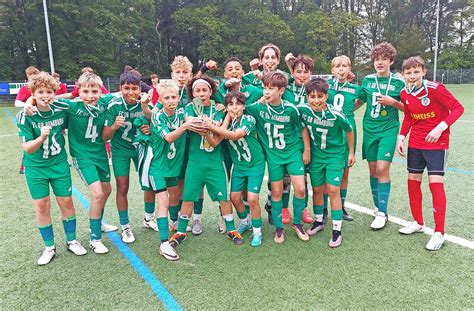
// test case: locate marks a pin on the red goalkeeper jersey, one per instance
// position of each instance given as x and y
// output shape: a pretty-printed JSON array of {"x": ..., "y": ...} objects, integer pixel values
[{"x": 424, "y": 110}]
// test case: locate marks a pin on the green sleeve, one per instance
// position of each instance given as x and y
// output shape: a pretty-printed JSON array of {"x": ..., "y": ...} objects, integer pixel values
[
  {"x": 363, "y": 93},
  {"x": 297, "y": 121},
  {"x": 24, "y": 128},
  {"x": 110, "y": 115},
  {"x": 189, "y": 111},
  {"x": 219, "y": 116},
  {"x": 248, "y": 124},
  {"x": 343, "y": 122},
  {"x": 158, "y": 126}
]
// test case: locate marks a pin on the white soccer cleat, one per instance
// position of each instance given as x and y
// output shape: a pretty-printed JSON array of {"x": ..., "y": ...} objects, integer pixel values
[
  {"x": 108, "y": 228},
  {"x": 221, "y": 228},
  {"x": 98, "y": 247},
  {"x": 76, "y": 248},
  {"x": 436, "y": 242},
  {"x": 196, "y": 227},
  {"x": 167, "y": 251},
  {"x": 172, "y": 225},
  {"x": 413, "y": 227},
  {"x": 379, "y": 221},
  {"x": 48, "y": 254},
  {"x": 127, "y": 235},
  {"x": 150, "y": 224}
]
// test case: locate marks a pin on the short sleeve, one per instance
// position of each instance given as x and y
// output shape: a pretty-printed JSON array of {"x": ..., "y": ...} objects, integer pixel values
[{"x": 24, "y": 128}]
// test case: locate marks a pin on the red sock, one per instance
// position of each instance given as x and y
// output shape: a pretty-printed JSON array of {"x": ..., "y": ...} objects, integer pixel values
[
  {"x": 439, "y": 205},
  {"x": 416, "y": 199},
  {"x": 107, "y": 147}
]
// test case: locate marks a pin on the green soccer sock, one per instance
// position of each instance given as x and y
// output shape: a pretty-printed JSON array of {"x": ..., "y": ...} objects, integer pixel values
[
  {"x": 374, "y": 187},
  {"x": 257, "y": 225},
  {"x": 384, "y": 194},
  {"x": 343, "y": 193},
  {"x": 149, "y": 207},
  {"x": 318, "y": 211},
  {"x": 163, "y": 228},
  {"x": 174, "y": 211},
  {"x": 229, "y": 222},
  {"x": 247, "y": 205},
  {"x": 182, "y": 224},
  {"x": 198, "y": 206},
  {"x": 47, "y": 235},
  {"x": 336, "y": 216},
  {"x": 96, "y": 232},
  {"x": 298, "y": 207},
  {"x": 285, "y": 197},
  {"x": 70, "y": 228},
  {"x": 242, "y": 215},
  {"x": 277, "y": 208},
  {"x": 325, "y": 200},
  {"x": 123, "y": 217}
]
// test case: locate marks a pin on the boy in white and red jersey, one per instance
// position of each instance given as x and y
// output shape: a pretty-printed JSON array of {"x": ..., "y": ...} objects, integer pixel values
[{"x": 430, "y": 109}]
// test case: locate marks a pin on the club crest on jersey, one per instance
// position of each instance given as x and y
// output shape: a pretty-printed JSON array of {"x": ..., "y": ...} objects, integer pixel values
[{"x": 425, "y": 101}]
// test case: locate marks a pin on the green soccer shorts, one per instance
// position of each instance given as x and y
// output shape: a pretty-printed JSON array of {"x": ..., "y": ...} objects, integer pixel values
[
  {"x": 38, "y": 180},
  {"x": 245, "y": 178},
  {"x": 160, "y": 183},
  {"x": 121, "y": 164},
  {"x": 91, "y": 171},
  {"x": 294, "y": 168},
  {"x": 326, "y": 173},
  {"x": 379, "y": 146},
  {"x": 211, "y": 175}
]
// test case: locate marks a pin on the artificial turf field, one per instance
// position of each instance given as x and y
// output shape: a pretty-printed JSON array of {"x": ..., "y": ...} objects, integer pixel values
[{"x": 371, "y": 269}]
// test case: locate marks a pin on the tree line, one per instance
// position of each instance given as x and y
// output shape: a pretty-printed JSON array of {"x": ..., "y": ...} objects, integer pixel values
[{"x": 147, "y": 34}]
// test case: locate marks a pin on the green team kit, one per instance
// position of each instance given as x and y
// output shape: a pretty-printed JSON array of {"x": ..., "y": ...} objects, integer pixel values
[
  {"x": 381, "y": 123},
  {"x": 328, "y": 155},
  {"x": 48, "y": 164},
  {"x": 294, "y": 93}
]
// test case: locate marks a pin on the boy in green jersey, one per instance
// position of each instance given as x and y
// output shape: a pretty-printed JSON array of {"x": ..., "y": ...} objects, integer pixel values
[
  {"x": 169, "y": 141},
  {"x": 381, "y": 91},
  {"x": 205, "y": 166},
  {"x": 45, "y": 161},
  {"x": 269, "y": 59},
  {"x": 326, "y": 127},
  {"x": 119, "y": 127},
  {"x": 342, "y": 96},
  {"x": 248, "y": 162},
  {"x": 278, "y": 123}
]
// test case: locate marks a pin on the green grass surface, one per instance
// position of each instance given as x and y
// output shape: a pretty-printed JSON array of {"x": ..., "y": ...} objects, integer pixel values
[{"x": 371, "y": 270}]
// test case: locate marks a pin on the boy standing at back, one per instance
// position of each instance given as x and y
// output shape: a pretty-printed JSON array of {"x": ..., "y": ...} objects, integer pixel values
[{"x": 381, "y": 92}]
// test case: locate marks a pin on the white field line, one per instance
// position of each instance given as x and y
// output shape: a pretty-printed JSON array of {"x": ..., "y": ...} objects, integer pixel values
[
  {"x": 429, "y": 231},
  {"x": 9, "y": 135}
]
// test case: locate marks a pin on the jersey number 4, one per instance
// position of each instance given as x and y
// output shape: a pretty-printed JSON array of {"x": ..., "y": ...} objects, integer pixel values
[{"x": 91, "y": 131}]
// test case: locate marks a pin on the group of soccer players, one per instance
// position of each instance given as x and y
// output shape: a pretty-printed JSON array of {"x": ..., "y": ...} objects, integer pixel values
[{"x": 195, "y": 133}]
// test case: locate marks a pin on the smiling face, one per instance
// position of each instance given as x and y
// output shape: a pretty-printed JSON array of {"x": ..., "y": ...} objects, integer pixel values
[
  {"x": 414, "y": 76},
  {"x": 270, "y": 60},
  {"x": 301, "y": 74},
  {"x": 382, "y": 66},
  {"x": 43, "y": 96},
  {"x": 90, "y": 94},
  {"x": 272, "y": 94},
  {"x": 235, "y": 108},
  {"x": 130, "y": 92},
  {"x": 317, "y": 100},
  {"x": 181, "y": 76},
  {"x": 233, "y": 69}
]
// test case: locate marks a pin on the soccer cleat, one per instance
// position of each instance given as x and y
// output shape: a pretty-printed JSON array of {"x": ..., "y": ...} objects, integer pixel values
[
  {"x": 235, "y": 236},
  {"x": 345, "y": 215},
  {"x": 48, "y": 254},
  {"x": 315, "y": 228},
  {"x": 243, "y": 227},
  {"x": 436, "y": 242},
  {"x": 127, "y": 235},
  {"x": 302, "y": 235},
  {"x": 376, "y": 210},
  {"x": 256, "y": 239},
  {"x": 379, "y": 221},
  {"x": 177, "y": 239},
  {"x": 221, "y": 228},
  {"x": 285, "y": 216},
  {"x": 336, "y": 239},
  {"x": 75, "y": 247},
  {"x": 108, "y": 228},
  {"x": 173, "y": 225},
  {"x": 325, "y": 216},
  {"x": 188, "y": 228},
  {"x": 268, "y": 208},
  {"x": 167, "y": 251},
  {"x": 413, "y": 227},
  {"x": 279, "y": 236},
  {"x": 307, "y": 218},
  {"x": 150, "y": 224},
  {"x": 98, "y": 247},
  {"x": 196, "y": 227}
]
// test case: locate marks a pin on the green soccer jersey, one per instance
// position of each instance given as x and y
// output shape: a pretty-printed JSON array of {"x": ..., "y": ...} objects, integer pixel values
[
  {"x": 294, "y": 93},
  {"x": 379, "y": 118},
  {"x": 250, "y": 78},
  {"x": 326, "y": 130},
  {"x": 199, "y": 148},
  {"x": 277, "y": 130},
  {"x": 122, "y": 141},
  {"x": 167, "y": 157},
  {"x": 85, "y": 127},
  {"x": 246, "y": 152},
  {"x": 342, "y": 96},
  {"x": 251, "y": 93},
  {"x": 52, "y": 151}
]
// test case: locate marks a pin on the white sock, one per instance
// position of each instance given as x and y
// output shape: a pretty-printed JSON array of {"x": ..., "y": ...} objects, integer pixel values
[
  {"x": 149, "y": 216},
  {"x": 197, "y": 216},
  {"x": 244, "y": 221},
  {"x": 229, "y": 217},
  {"x": 125, "y": 226},
  {"x": 257, "y": 230},
  {"x": 50, "y": 247},
  {"x": 337, "y": 225},
  {"x": 319, "y": 217}
]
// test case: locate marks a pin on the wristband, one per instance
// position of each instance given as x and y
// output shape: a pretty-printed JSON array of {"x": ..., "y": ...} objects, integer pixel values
[
  {"x": 443, "y": 126},
  {"x": 401, "y": 137},
  {"x": 203, "y": 69}
]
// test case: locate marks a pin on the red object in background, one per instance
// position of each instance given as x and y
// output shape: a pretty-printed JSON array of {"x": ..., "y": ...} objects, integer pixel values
[
  {"x": 155, "y": 96},
  {"x": 62, "y": 89},
  {"x": 75, "y": 91},
  {"x": 107, "y": 147}
]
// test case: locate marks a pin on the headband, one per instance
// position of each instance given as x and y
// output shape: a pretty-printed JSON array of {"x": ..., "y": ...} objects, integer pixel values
[{"x": 201, "y": 81}]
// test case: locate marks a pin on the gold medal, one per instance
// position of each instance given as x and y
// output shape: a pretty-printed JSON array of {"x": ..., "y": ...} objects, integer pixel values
[
  {"x": 383, "y": 113},
  {"x": 206, "y": 144}
]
